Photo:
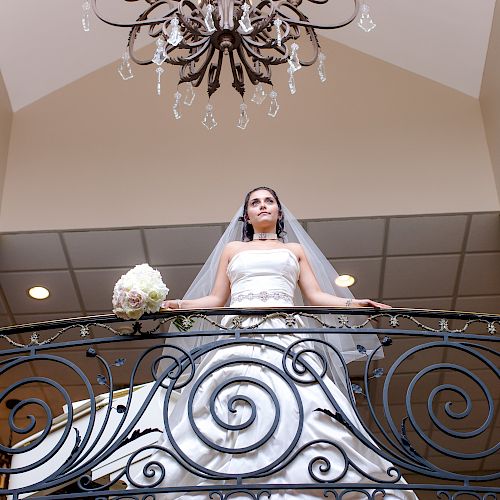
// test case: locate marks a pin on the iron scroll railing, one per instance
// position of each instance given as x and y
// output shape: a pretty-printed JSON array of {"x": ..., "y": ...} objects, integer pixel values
[{"x": 89, "y": 404}]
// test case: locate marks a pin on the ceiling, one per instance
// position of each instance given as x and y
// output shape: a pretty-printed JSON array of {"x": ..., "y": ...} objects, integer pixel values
[
  {"x": 43, "y": 47},
  {"x": 432, "y": 261},
  {"x": 436, "y": 261}
]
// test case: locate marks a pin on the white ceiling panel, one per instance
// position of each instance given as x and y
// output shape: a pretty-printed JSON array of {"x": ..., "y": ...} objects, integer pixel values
[
  {"x": 481, "y": 274},
  {"x": 181, "y": 245},
  {"x": 178, "y": 279},
  {"x": 491, "y": 462},
  {"x": 487, "y": 304},
  {"x": 22, "y": 319},
  {"x": 452, "y": 465},
  {"x": 443, "y": 303},
  {"x": 484, "y": 233},
  {"x": 348, "y": 238},
  {"x": 62, "y": 293},
  {"x": 420, "y": 276},
  {"x": 487, "y": 377},
  {"x": 468, "y": 360},
  {"x": 116, "y": 248},
  {"x": 96, "y": 286},
  {"x": 414, "y": 235},
  {"x": 31, "y": 251},
  {"x": 366, "y": 272},
  {"x": 68, "y": 375},
  {"x": 400, "y": 382},
  {"x": 414, "y": 362}
]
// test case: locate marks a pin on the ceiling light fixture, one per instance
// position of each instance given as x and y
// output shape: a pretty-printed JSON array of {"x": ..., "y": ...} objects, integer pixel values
[
  {"x": 197, "y": 35},
  {"x": 38, "y": 292},
  {"x": 345, "y": 280}
]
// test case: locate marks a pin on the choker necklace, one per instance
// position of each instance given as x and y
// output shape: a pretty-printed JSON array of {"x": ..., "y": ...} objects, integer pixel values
[{"x": 265, "y": 236}]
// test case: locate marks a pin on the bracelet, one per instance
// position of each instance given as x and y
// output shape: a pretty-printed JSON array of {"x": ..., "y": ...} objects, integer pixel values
[
  {"x": 348, "y": 302},
  {"x": 179, "y": 304}
]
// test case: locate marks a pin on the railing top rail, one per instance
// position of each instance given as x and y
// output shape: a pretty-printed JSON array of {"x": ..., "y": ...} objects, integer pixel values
[{"x": 365, "y": 311}]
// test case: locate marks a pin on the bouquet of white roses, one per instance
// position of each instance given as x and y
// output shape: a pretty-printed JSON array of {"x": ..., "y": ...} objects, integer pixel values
[{"x": 139, "y": 291}]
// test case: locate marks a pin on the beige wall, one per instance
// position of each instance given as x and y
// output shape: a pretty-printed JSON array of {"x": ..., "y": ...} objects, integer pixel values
[
  {"x": 5, "y": 128},
  {"x": 374, "y": 140},
  {"x": 490, "y": 95}
]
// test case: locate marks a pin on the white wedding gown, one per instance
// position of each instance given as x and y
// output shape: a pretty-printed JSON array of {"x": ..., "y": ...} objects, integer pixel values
[{"x": 264, "y": 278}]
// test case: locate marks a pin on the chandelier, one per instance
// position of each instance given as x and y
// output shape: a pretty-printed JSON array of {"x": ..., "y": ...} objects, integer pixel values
[{"x": 252, "y": 35}]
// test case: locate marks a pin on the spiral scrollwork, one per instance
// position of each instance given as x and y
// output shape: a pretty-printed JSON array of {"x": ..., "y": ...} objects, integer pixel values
[{"x": 233, "y": 387}]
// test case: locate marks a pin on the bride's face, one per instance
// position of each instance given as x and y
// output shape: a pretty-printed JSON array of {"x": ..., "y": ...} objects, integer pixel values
[{"x": 262, "y": 209}]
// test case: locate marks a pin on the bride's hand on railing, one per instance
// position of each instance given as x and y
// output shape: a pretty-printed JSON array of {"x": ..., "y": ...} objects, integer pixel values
[
  {"x": 171, "y": 304},
  {"x": 369, "y": 303}
]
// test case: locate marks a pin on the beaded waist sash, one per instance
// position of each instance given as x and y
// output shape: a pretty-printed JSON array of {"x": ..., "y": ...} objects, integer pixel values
[{"x": 263, "y": 296}]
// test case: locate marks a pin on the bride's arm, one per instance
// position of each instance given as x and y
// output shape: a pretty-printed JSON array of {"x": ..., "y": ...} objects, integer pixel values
[
  {"x": 313, "y": 294},
  {"x": 219, "y": 294}
]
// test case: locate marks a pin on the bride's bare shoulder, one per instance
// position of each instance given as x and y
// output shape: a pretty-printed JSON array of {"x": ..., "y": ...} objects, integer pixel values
[
  {"x": 233, "y": 247},
  {"x": 296, "y": 248}
]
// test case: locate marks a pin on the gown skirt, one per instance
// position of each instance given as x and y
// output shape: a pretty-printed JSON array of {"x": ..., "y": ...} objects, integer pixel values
[{"x": 242, "y": 416}]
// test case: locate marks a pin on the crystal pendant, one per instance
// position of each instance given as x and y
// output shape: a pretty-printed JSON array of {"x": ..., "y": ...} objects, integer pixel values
[
  {"x": 243, "y": 119},
  {"x": 209, "y": 21},
  {"x": 175, "y": 37},
  {"x": 160, "y": 54},
  {"x": 321, "y": 67},
  {"x": 277, "y": 24},
  {"x": 365, "y": 21},
  {"x": 159, "y": 71},
  {"x": 209, "y": 120},
  {"x": 259, "y": 94},
  {"x": 244, "y": 22},
  {"x": 125, "y": 69},
  {"x": 293, "y": 60},
  {"x": 274, "y": 107},
  {"x": 189, "y": 95},
  {"x": 175, "y": 107},
  {"x": 86, "y": 15},
  {"x": 291, "y": 81}
]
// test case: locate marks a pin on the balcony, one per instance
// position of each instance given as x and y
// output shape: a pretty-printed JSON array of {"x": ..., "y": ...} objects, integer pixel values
[{"x": 85, "y": 402}]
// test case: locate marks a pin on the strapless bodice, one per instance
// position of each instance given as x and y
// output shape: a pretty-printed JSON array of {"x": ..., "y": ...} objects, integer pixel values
[{"x": 263, "y": 277}]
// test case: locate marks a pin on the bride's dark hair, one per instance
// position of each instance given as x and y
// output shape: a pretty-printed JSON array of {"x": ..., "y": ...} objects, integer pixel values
[{"x": 248, "y": 230}]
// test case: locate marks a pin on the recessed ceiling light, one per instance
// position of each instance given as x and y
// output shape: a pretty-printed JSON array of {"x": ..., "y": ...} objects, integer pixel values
[
  {"x": 345, "y": 280},
  {"x": 38, "y": 292}
]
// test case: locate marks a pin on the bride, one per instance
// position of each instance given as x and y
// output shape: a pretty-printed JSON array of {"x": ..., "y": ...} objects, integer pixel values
[{"x": 249, "y": 416}]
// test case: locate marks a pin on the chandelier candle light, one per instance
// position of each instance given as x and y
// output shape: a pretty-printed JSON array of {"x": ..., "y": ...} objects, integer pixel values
[{"x": 197, "y": 35}]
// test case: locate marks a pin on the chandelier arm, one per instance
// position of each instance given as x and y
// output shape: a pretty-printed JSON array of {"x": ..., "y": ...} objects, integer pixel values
[
  {"x": 199, "y": 43},
  {"x": 267, "y": 41},
  {"x": 188, "y": 21},
  {"x": 214, "y": 75},
  {"x": 196, "y": 75},
  {"x": 131, "y": 50},
  {"x": 314, "y": 42},
  {"x": 238, "y": 78},
  {"x": 266, "y": 59},
  {"x": 181, "y": 60},
  {"x": 139, "y": 22},
  {"x": 307, "y": 24},
  {"x": 254, "y": 76}
]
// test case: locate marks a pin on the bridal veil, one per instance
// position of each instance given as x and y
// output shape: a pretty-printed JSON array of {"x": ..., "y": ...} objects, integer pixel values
[{"x": 346, "y": 343}]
